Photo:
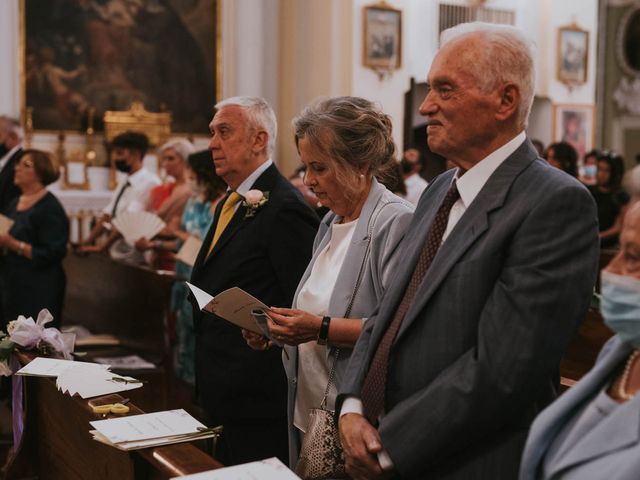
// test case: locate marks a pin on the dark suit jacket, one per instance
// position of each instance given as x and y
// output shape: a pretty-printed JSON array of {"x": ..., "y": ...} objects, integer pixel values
[
  {"x": 477, "y": 354},
  {"x": 8, "y": 189},
  {"x": 265, "y": 255}
]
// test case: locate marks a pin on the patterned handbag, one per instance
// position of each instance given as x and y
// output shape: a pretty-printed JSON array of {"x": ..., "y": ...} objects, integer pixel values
[{"x": 321, "y": 454}]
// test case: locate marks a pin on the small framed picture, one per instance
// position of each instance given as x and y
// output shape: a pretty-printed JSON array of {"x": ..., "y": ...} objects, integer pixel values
[
  {"x": 382, "y": 42},
  {"x": 573, "y": 54},
  {"x": 574, "y": 124}
]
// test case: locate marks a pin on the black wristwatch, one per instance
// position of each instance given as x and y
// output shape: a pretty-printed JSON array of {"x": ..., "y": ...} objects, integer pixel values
[{"x": 323, "y": 334}]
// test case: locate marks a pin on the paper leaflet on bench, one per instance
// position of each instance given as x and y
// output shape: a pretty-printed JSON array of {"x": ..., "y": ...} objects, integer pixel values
[
  {"x": 236, "y": 306},
  {"x": 82, "y": 378},
  {"x": 268, "y": 469},
  {"x": 150, "y": 430}
]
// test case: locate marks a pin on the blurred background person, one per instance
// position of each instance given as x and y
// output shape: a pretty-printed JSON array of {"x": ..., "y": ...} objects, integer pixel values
[
  {"x": 563, "y": 156},
  {"x": 591, "y": 431},
  {"x": 169, "y": 199},
  {"x": 131, "y": 195},
  {"x": 610, "y": 198},
  {"x": 11, "y": 135},
  {"x": 31, "y": 274},
  {"x": 344, "y": 143},
  {"x": 411, "y": 168},
  {"x": 631, "y": 184},
  {"x": 206, "y": 190},
  {"x": 589, "y": 168}
]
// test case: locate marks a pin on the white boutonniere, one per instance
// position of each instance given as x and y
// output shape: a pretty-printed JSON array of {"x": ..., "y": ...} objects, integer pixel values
[{"x": 253, "y": 200}]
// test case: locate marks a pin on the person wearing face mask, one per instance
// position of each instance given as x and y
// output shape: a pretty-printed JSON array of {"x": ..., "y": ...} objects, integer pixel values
[
  {"x": 205, "y": 191},
  {"x": 11, "y": 136},
  {"x": 591, "y": 432},
  {"x": 589, "y": 168},
  {"x": 131, "y": 195}
]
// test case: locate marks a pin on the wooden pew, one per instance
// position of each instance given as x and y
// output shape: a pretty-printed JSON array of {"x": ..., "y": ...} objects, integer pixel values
[
  {"x": 57, "y": 445},
  {"x": 132, "y": 303},
  {"x": 592, "y": 334}
]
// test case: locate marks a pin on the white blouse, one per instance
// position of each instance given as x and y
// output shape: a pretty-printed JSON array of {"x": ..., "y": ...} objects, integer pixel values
[{"x": 314, "y": 297}]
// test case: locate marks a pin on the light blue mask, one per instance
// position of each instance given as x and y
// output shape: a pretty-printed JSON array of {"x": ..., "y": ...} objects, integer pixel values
[
  {"x": 620, "y": 306},
  {"x": 590, "y": 170}
]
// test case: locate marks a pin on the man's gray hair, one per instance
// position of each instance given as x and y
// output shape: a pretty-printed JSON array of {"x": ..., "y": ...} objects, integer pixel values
[
  {"x": 183, "y": 147},
  {"x": 260, "y": 115},
  {"x": 507, "y": 57},
  {"x": 10, "y": 124}
]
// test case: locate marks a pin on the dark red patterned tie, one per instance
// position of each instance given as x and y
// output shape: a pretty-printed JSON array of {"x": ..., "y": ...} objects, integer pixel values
[{"x": 376, "y": 378}]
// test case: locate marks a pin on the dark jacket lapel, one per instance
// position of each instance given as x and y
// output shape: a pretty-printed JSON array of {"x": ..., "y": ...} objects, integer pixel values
[{"x": 470, "y": 227}]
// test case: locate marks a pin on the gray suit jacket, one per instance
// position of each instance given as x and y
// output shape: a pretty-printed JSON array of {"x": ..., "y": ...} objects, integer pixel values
[
  {"x": 381, "y": 226},
  {"x": 478, "y": 351},
  {"x": 611, "y": 450}
]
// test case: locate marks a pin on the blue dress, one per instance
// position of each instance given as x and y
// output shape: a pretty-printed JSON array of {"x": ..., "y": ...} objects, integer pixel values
[{"x": 196, "y": 220}]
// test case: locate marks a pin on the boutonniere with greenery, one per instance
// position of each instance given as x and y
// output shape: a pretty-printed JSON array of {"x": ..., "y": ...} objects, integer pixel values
[
  {"x": 253, "y": 200},
  {"x": 26, "y": 334}
]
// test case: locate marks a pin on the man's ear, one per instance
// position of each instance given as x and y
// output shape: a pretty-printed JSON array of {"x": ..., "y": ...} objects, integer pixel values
[
  {"x": 509, "y": 101},
  {"x": 260, "y": 141}
]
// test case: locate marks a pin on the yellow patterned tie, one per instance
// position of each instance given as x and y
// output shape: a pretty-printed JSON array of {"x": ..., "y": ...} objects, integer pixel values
[{"x": 226, "y": 214}]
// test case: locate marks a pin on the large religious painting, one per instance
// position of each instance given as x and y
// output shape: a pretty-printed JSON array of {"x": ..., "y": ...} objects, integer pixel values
[
  {"x": 105, "y": 54},
  {"x": 382, "y": 37},
  {"x": 574, "y": 124}
]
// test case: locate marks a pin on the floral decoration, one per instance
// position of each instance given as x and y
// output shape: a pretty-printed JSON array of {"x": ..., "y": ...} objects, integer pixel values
[
  {"x": 29, "y": 335},
  {"x": 253, "y": 200}
]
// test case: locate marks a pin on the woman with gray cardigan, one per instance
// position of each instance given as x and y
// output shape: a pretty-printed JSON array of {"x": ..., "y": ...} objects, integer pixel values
[{"x": 344, "y": 143}]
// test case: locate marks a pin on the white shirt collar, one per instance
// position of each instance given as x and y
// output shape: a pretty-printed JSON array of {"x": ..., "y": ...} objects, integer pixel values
[
  {"x": 470, "y": 184},
  {"x": 248, "y": 182},
  {"x": 138, "y": 177},
  {"x": 8, "y": 155}
]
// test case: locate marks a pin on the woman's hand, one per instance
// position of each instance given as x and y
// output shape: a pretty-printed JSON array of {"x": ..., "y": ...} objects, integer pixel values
[
  {"x": 292, "y": 326},
  {"x": 6, "y": 241},
  {"x": 142, "y": 244},
  {"x": 255, "y": 340}
]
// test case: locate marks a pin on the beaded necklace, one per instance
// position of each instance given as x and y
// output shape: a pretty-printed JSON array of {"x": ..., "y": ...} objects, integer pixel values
[{"x": 624, "y": 380}]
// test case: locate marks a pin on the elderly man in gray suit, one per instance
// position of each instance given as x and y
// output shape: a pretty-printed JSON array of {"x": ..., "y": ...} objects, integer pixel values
[{"x": 501, "y": 259}]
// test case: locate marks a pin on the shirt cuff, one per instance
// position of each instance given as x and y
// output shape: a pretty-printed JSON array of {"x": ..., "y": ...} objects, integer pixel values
[{"x": 353, "y": 404}]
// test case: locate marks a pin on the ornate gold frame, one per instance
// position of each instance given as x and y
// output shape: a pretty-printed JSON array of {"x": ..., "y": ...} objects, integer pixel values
[
  {"x": 22, "y": 73},
  {"x": 560, "y": 73},
  {"x": 380, "y": 65},
  {"x": 589, "y": 109}
]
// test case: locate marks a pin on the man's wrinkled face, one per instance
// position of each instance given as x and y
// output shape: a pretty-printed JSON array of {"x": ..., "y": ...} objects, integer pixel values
[{"x": 231, "y": 145}]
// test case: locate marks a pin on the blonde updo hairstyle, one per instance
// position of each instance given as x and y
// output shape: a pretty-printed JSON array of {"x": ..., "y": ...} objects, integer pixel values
[{"x": 354, "y": 133}]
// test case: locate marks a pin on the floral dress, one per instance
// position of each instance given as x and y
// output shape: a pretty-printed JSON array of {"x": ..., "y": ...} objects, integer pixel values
[{"x": 196, "y": 220}]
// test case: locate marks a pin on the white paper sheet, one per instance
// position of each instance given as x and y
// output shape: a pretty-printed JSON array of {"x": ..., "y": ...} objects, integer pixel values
[
  {"x": 93, "y": 383},
  {"x": 269, "y": 469},
  {"x": 157, "y": 425},
  {"x": 53, "y": 367},
  {"x": 127, "y": 362},
  {"x": 189, "y": 250}
]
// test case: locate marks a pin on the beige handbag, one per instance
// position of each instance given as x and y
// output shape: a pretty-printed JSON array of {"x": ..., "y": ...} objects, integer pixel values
[{"x": 321, "y": 454}]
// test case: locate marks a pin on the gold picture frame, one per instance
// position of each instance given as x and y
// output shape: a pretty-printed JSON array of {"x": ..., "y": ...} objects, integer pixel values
[
  {"x": 572, "y": 55},
  {"x": 575, "y": 124},
  {"x": 382, "y": 37},
  {"x": 38, "y": 33}
]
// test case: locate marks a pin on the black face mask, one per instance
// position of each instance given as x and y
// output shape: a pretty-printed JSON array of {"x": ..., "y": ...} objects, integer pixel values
[
  {"x": 123, "y": 166},
  {"x": 3, "y": 150}
]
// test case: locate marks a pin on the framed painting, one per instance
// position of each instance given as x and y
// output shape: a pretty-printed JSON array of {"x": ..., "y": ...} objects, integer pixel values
[
  {"x": 573, "y": 55},
  {"x": 382, "y": 41},
  {"x": 106, "y": 54},
  {"x": 574, "y": 124}
]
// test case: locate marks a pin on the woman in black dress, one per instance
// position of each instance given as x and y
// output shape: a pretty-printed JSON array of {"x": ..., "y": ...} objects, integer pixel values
[{"x": 31, "y": 274}]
